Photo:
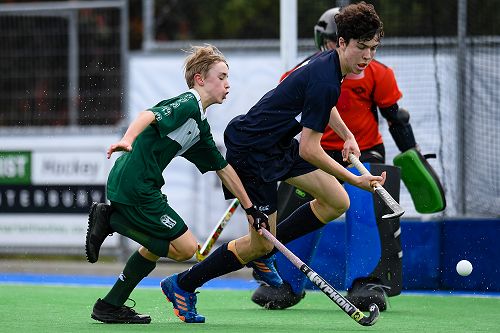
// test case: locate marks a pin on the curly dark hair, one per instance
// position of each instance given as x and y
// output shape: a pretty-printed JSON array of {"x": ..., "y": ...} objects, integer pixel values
[{"x": 359, "y": 21}]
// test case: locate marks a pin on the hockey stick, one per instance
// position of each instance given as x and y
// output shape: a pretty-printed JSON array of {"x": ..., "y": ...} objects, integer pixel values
[
  {"x": 324, "y": 286},
  {"x": 204, "y": 250},
  {"x": 382, "y": 192}
]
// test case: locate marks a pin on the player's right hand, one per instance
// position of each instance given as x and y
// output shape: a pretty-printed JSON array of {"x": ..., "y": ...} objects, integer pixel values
[{"x": 367, "y": 181}]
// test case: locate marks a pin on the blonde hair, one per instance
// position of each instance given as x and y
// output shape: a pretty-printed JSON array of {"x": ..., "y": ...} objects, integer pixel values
[{"x": 200, "y": 60}]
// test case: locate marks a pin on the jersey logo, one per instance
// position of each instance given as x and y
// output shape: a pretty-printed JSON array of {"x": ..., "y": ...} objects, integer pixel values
[
  {"x": 158, "y": 116},
  {"x": 167, "y": 110},
  {"x": 263, "y": 208},
  {"x": 168, "y": 221},
  {"x": 358, "y": 90}
]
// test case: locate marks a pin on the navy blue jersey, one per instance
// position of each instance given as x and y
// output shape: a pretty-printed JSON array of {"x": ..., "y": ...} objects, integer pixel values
[{"x": 304, "y": 99}]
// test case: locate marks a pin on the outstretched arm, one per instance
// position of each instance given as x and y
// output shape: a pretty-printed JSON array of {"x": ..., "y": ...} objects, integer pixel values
[
  {"x": 142, "y": 121},
  {"x": 230, "y": 179},
  {"x": 233, "y": 183}
]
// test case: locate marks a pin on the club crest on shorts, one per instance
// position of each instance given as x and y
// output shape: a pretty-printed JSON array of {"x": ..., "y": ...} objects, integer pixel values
[{"x": 168, "y": 221}]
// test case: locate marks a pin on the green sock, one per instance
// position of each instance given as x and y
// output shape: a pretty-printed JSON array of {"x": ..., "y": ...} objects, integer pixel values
[{"x": 136, "y": 269}]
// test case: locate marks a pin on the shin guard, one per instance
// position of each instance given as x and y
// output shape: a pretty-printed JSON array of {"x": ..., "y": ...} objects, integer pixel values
[{"x": 373, "y": 245}]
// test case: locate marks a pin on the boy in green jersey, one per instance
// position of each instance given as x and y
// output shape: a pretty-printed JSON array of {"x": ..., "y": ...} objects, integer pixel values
[{"x": 138, "y": 210}]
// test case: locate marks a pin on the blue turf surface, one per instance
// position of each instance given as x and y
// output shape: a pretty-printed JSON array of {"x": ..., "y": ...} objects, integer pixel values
[
  {"x": 89, "y": 280},
  {"x": 154, "y": 282}
]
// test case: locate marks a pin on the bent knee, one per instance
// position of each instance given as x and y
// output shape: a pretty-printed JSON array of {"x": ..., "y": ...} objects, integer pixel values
[
  {"x": 262, "y": 249},
  {"x": 343, "y": 204},
  {"x": 331, "y": 209},
  {"x": 185, "y": 256},
  {"x": 185, "y": 253},
  {"x": 268, "y": 248}
]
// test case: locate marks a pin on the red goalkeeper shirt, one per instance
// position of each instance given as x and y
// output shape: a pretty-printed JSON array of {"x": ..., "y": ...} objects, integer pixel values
[{"x": 360, "y": 96}]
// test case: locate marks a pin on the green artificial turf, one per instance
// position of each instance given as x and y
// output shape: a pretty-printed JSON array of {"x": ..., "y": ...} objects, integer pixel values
[{"x": 35, "y": 308}]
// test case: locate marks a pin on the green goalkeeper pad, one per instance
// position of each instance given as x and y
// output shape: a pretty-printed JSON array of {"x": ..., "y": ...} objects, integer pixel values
[{"x": 421, "y": 181}]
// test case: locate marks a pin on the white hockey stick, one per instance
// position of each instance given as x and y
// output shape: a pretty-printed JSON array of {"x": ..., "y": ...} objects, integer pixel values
[
  {"x": 343, "y": 303},
  {"x": 382, "y": 192}
]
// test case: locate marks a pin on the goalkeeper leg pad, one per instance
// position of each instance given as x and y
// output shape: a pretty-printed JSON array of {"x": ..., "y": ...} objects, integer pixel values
[
  {"x": 421, "y": 181},
  {"x": 276, "y": 298}
]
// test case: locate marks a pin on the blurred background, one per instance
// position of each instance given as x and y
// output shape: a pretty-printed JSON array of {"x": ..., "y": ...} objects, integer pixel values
[{"x": 73, "y": 74}]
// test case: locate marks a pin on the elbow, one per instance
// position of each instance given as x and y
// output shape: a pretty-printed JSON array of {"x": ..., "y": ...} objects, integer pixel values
[
  {"x": 222, "y": 173},
  {"x": 148, "y": 115},
  {"x": 306, "y": 152}
]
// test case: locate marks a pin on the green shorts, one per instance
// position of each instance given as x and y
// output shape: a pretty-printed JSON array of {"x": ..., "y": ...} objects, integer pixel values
[{"x": 155, "y": 219}]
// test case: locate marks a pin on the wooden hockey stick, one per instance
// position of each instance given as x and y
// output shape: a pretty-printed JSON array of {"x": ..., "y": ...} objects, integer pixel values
[{"x": 204, "y": 250}]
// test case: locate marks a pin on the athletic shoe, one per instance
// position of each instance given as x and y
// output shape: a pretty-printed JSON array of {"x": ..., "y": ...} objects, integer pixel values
[
  {"x": 97, "y": 231},
  {"x": 276, "y": 298},
  {"x": 363, "y": 293},
  {"x": 265, "y": 272},
  {"x": 184, "y": 302},
  {"x": 112, "y": 314}
]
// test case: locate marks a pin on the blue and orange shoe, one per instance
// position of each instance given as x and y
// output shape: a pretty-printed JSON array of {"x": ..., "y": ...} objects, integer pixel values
[
  {"x": 264, "y": 271},
  {"x": 184, "y": 302}
]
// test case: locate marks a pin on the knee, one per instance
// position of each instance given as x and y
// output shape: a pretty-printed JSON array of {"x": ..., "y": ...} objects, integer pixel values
[
  {"x": 333, "y": 208},
  {"x": 185, "y": 256},
  {"x": 268, "y": 247},
  {"x": 185, "y": 253},
  {"x": 262, "y": 249},
  {"x": 343, "y": 204}
]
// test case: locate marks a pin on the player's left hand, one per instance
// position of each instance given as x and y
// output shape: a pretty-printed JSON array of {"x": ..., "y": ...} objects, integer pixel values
[
  {"x": 259, "y": 219},
  {"x": 367, "y": 181},
  {"x": 350, "y": 146},
  {"x": 119, "y": 146}
]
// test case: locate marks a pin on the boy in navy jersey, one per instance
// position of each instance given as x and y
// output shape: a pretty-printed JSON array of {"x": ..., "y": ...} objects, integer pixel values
[
  {"x": 361, "y": 95},
  {"x": 262, "y": 149}
]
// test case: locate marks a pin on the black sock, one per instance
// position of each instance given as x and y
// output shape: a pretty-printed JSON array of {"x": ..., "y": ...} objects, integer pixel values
[
  {"x": 220, "y": 262},
  {"x": 301, "y": 222}
]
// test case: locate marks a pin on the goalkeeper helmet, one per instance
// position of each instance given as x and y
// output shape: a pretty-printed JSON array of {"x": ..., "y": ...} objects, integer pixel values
[{"x": 326, "y": 28}]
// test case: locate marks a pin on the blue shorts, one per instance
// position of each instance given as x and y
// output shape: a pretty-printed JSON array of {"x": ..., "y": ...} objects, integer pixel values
[{"x": 260, "y": 173}]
